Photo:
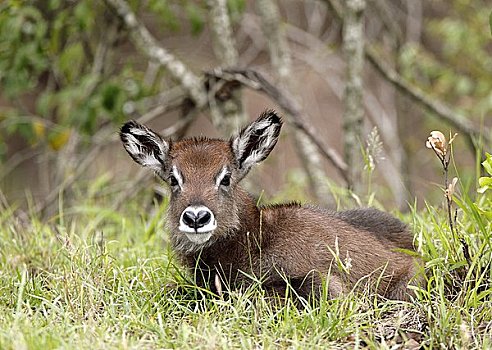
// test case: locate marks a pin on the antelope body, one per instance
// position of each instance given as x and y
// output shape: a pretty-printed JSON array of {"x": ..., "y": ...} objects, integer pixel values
[{"x": 217, "y": 229}]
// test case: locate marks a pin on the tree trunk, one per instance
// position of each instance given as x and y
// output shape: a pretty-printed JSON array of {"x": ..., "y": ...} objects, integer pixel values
[
  {"x": 227, "y": 115},
  {"x": 353, "y": 46},
  {"x": 281, "y": 61}
]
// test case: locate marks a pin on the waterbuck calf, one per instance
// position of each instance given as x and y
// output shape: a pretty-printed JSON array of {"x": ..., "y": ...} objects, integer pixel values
[{"x": 218, "y": 230}]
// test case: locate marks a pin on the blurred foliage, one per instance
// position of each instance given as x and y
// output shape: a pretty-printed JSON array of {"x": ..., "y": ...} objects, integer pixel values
[
  {"x": 48, "y": 56},
  {"x": 485, "y": 182},
  {"x": 58, "y": 82},
  {"x": 72, "y": 74},
  {"x": 458, "y": 67}
]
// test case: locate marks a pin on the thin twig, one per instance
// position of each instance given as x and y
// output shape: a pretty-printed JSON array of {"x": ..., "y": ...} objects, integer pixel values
[
  {"x": 179, "y": 125},
  {"x": 256, "y": 81},
  {"x": 445, "y": 158},
  {"x": 437, "y": 107},
  {"x": 107, "y": 136},
  {"x": 281, "y": 61},
  {"x": 17, "y": 159},
  {"x": 227, "y": 114},
  {"x": 138, "y": 180},
  {"x": 69, "y": 181},
  {"x": 224, "y": 45},
  {"x": 151, "y": 48}
]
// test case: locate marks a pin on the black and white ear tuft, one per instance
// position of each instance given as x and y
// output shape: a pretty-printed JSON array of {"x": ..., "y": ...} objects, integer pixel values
[
  {"x": 145, "y": 146},
  {"x": 255, "y": 142}
]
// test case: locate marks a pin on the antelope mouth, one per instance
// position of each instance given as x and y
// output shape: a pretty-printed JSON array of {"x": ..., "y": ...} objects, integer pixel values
[
  {"x": 197, "y": 223},
  {"x": 199, "y": 237}
]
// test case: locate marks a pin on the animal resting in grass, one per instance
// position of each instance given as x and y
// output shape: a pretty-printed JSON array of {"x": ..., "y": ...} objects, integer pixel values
[{"x": 217, "y": 229}]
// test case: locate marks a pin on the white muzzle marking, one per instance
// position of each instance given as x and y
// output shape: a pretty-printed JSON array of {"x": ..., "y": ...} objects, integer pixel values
[
  {"x": 201, "y": 234},
  {"x": 198, "y": 238}
]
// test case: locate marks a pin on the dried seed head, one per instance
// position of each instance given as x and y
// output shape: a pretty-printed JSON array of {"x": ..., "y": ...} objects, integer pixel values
[
  {"x": 348, "y": 263},
  {"x": 451, "y": 189},
  {"x": 437, "y": 142},
  {"x": 374, "y": 149}
]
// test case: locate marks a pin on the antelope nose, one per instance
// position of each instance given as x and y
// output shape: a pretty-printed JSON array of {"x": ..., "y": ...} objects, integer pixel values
[
  {"x": 203, "y": 217},
  {"x": 197, "y": 220}
]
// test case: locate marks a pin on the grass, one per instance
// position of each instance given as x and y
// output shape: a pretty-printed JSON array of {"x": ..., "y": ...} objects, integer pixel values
[{"x": 92, "y": 277}]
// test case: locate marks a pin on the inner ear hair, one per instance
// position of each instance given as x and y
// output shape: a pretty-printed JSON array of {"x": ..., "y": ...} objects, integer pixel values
[
  {"x": 144, "y": 145},
  {"x": 255, "y": 142}
]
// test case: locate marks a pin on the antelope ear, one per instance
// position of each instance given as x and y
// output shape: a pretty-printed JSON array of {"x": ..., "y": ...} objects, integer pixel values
[
  {"x": 255, "y": 142},
  {"x": 145, "y": 146}
]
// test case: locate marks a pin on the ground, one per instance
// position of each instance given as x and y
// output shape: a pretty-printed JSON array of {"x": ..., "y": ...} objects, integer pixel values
[{"x": 92, "y": 277}]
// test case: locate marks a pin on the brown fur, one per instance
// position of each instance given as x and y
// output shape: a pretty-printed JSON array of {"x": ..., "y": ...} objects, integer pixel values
[
  {"x": 291, "y": 243},
  {"x": 279, "y": 243}
]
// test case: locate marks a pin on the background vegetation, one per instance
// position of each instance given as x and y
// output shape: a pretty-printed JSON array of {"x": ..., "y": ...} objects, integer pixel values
[{"x": 84, "y": 259}]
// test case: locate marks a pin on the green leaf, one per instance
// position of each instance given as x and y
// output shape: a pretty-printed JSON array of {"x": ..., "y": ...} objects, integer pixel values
[
  {"x": 236, "y": 8},
  {"x": 22, "y": 58},
  {"x": 165, "y": 12},
  {"x": 45, "y": 103},
  {"x": 58, "y": 138},
  {"x": 84, "y": 16},
  {"x": 54, "y": 4},
  {"x": 487, "y": 163},
  {"x": 196, "y": 17},
  {"x": 71, "y": 61},
  {"x": 3, "y": 149},
  {"x": 110, "y": 96},
  {"x": 485, "y": 181},
  {"x": 485, "y": 184}
]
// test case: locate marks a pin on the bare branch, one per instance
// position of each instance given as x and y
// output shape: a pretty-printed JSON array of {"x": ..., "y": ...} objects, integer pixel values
[
  {"x": 255, "y": 81},
  {"x": 413, "y": 20},
  {"x": 103, "y": 48},
  {"x": 17, "y": 159},
  {"x": 151, "y": 48},
  {"x": 433, "y": 105},
  {"x": 137, "y": 182},
  {"x": 437, "y": 107},
  {"x": 250, "y": 30},
  {"x": 69, "y": 180},
  {"x": 282, "y": 64},
  {"x": 335, "y": 8},
  {"x": 316, "y": 56},
  {"x": 151, "y": 73},
  {"x": 181, "y": 124},
  {"x": 103, "y": 138},
  {"x": 277, "y": 43},
  {"x": 227, "y": 114},
  {"x": 387, "y": 17},
  {"x": 225, "y": 48}
]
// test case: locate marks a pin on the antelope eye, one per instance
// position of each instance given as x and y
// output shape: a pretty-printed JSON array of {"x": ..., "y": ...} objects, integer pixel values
[
  {"x": 173, "y": 181},
  {"x": 226, "y": 180}
]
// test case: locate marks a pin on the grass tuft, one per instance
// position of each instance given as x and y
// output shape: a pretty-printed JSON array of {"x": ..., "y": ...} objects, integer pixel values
[{"x": 92, "y": 277}]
